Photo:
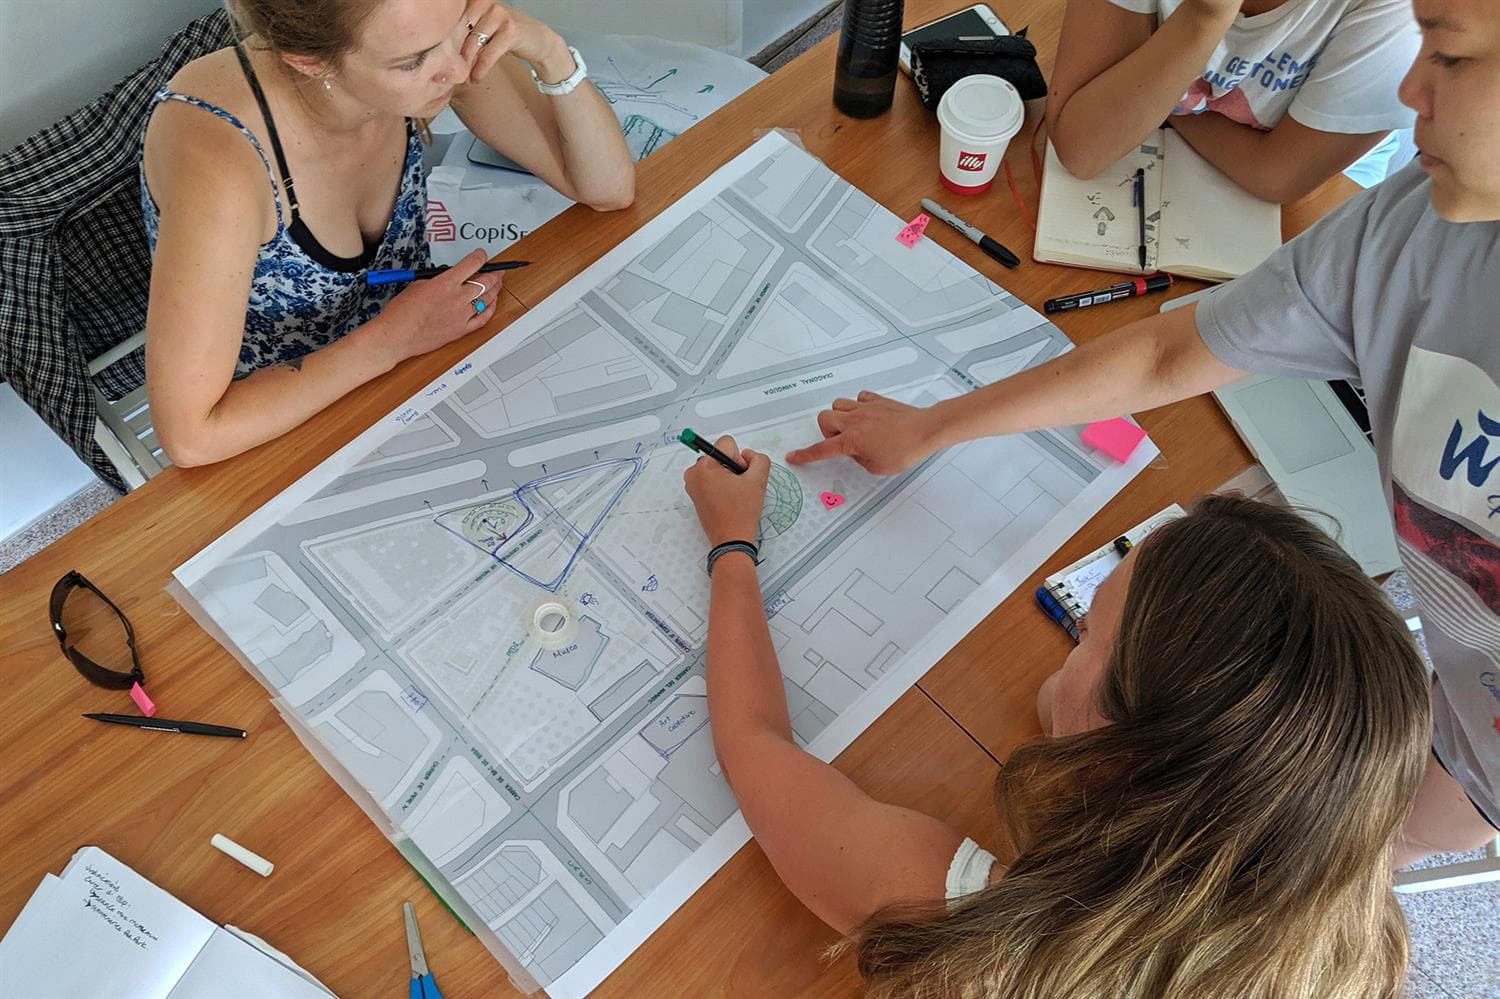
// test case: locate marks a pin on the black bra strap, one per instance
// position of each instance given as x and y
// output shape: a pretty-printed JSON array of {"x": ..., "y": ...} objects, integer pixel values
[{"x": 265, "y": 110}]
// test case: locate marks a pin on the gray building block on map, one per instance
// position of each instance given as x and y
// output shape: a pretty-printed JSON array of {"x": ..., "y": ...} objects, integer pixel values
[
  {"x": 281, "y": 605},
  {"x": 595, "y": 805},
  {"x": 658, "y": 255},
  {"x": 236, "y": 574},
  {"x": 553, "y": 929},
  {"x": 572, "y": 664},
  {"x": 308, "y": 647},
  {"x": 689, "y": 774},
  {"x": 622, "y": 690},
  {"x": 814, "y": 310},
  {"x": 379, "y": 721},
  {"x": 630, "y": 290},
  {"x": 599, "y": 395}
]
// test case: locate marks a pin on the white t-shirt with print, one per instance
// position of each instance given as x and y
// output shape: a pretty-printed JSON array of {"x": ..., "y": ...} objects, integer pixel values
[{"x": 1333, "y": 64}]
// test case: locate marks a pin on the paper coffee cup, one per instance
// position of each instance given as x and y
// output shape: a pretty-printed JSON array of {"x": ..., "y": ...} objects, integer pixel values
[{"x": 978, "y": 117}]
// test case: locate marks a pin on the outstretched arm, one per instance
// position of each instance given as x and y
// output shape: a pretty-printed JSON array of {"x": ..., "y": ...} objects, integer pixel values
[
  {"x": 841, "y": 852},
  {"x": 1147, "y": 364}
]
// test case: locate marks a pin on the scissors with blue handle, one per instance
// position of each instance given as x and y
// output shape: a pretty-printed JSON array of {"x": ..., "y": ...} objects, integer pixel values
[{"x": 422, "y": 985}]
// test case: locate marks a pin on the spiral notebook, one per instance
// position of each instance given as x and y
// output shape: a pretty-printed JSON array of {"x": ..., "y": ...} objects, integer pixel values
[{"x": 1074, "y": 587}]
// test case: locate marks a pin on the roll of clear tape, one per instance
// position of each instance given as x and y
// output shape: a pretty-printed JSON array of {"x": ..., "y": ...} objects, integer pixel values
[{"x": 552, "y": 622}]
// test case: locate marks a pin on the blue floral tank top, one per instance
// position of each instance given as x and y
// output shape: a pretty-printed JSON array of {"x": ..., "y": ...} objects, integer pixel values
[{"x": 299, "y": 303}]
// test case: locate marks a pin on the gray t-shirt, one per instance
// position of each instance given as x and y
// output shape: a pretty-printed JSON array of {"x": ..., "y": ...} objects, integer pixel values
[{"x": 1385, "y": 293}]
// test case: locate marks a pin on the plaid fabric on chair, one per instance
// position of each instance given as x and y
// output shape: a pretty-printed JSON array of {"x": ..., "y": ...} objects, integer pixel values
[{"x": 74, "y": 265}]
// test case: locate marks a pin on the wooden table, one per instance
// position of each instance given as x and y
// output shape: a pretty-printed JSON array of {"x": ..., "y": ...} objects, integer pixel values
[{"x": 333, "y": 902}]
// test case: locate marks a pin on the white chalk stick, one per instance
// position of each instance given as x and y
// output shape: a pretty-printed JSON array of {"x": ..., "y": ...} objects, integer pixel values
[{"x": 260, "y": 865}]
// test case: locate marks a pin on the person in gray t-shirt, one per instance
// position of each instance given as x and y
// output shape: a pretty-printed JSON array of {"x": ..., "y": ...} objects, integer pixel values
[{"x": 1399, "y": 291}]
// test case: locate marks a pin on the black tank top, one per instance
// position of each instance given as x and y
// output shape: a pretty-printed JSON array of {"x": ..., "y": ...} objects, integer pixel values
[{"x": 298, "y": 229}]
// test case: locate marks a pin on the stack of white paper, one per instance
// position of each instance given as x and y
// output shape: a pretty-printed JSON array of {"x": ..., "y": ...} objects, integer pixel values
[{"x": 103, "y": 931}]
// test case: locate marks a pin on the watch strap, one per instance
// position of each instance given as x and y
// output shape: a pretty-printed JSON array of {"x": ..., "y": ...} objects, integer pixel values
[{"x": 561, "y": 87}]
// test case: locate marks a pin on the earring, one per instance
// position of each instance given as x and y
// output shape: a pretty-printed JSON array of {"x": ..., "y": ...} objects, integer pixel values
[{"x": 327, "y": 84}]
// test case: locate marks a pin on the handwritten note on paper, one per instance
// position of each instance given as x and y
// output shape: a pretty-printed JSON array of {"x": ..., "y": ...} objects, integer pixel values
[
  {"x": 1084, "y": 583},
  {"x": 109, "y": 903},
  {"x": 100, "y": 930}
]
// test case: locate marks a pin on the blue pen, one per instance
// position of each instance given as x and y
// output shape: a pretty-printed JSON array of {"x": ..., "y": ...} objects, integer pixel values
[
  {"x": 422, "y": 273},
  {"x": 1056, "y": 612}
]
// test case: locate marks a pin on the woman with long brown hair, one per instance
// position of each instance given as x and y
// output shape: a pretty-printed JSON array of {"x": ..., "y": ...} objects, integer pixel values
[{"x": 1233, "y": 747}]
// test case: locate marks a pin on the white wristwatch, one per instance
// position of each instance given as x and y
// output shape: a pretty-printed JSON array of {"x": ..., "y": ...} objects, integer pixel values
[{"x": 562, "y": 86}]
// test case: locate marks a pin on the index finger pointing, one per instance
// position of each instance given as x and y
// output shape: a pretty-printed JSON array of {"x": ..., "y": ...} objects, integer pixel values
[{"x": 821, "y": 451}]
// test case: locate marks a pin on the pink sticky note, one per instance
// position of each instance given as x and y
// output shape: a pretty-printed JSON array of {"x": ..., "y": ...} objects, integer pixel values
[
  {"x": 138, "y": 695},
  {"x": 1117, "y": 438},
  {"x": 831, "y": 500},
  {"x": 913, "y": 230}
]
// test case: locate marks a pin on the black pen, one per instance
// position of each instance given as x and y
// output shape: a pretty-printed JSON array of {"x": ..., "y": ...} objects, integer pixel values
[
  {"x": 168, "y": 725},
  {"x": 1139, "y": 193},
  {"x": 422, "y": 273},
  {"x": 697, "y": 443},
  {"x": 990, "y": 246}
]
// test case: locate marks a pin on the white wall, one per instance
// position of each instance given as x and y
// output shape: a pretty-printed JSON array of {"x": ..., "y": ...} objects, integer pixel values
[
  {"x": 37, "y": 470},
  {"x": 768, "y": 20},
  {"x": 57, "y": 55}
]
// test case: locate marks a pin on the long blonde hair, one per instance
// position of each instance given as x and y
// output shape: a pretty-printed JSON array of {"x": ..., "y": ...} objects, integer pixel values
[{"x": 1229, "y": 833}]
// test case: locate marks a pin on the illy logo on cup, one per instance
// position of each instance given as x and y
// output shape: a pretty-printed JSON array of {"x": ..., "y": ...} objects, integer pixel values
[{"x": 971, "y": 161}]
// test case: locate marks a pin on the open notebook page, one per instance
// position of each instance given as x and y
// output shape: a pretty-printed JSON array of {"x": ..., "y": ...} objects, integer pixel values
[
  {"x": 1094, "y": 223},
  {"x": 230, "y": 968},
  {"x": 100, "y": 930},
  {"x": 1211, "y": 227}
]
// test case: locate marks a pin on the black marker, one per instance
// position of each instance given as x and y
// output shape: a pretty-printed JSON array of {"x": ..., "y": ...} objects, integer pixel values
[
  {"x": 697, "y": 443},
  {"x": 1125, "y": 289},
  {"x": 994, "y": 248}
]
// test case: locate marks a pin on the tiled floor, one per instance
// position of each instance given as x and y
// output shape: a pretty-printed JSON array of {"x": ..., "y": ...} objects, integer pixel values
[
  {"x": 1455, "y": 934},
  {"x": 63, "y": 518}
]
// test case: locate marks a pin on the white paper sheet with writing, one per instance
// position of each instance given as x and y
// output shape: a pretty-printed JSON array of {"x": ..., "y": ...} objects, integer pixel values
[{"x": 486, "y": 614}]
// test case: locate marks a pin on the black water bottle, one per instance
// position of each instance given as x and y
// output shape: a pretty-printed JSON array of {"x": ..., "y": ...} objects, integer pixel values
[{"x": 864, "y": 78}]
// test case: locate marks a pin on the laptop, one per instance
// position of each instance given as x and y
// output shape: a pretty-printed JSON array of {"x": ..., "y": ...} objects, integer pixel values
[{"x": 1313, "y": 438}]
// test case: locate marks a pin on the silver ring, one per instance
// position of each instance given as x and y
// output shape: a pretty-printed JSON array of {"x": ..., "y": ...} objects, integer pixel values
[
  {"x": 480, "y": 286},
  {"x": 482, "y": 38}
]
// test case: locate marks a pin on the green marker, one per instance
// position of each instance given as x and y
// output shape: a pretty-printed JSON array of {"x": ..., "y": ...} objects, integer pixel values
[{"x": 697, "y": 443}]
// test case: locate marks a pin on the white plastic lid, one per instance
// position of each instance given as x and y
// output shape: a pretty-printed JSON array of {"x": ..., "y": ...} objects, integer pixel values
[{"x": 981, "y": 108}]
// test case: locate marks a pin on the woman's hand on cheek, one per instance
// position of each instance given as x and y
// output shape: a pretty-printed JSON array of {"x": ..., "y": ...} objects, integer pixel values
[{"x": 506, "y": 31}]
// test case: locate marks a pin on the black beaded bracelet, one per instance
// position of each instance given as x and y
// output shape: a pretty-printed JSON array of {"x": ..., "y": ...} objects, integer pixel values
[{"x": 732, "y": 546}]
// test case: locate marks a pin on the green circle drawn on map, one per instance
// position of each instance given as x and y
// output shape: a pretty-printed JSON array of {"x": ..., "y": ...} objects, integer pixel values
[{"x": 783, "y": 502}]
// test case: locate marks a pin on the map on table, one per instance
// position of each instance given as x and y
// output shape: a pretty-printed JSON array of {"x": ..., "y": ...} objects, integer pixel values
[{"x": 486, "y": 615}]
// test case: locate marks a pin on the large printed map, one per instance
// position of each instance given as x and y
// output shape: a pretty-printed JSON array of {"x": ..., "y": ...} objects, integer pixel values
[{"x": 487, "y": 614}]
